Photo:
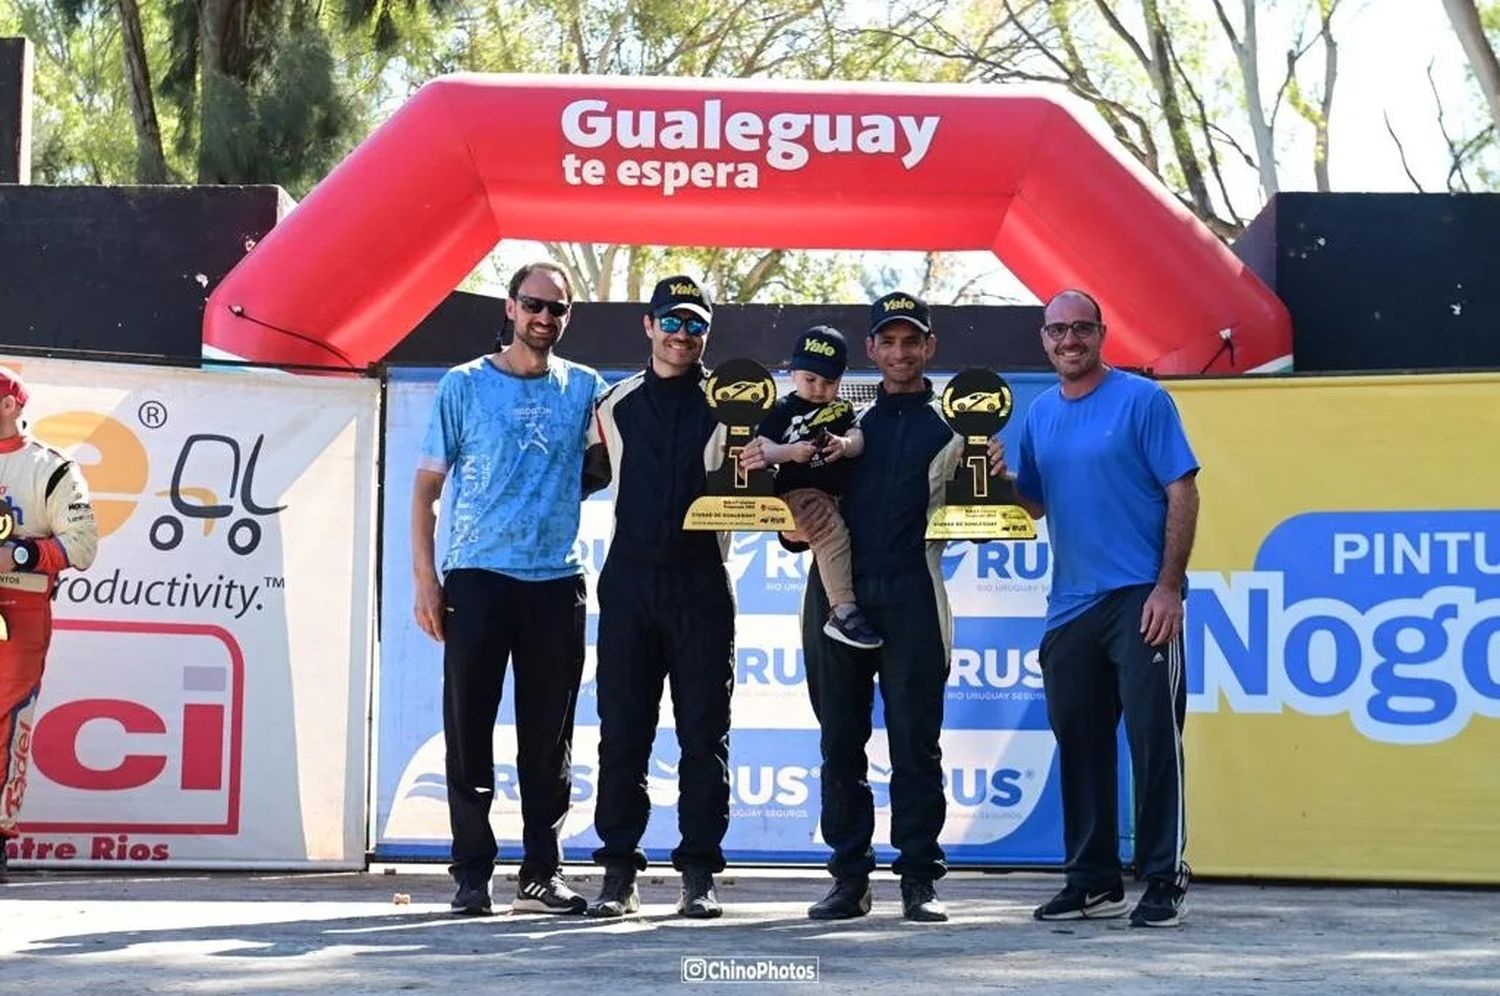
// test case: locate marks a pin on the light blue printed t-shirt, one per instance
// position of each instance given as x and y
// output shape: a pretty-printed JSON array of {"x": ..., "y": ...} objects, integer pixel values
[
  {"x": 1100, "y": 465},
  {"x": 513, "y": 449}
]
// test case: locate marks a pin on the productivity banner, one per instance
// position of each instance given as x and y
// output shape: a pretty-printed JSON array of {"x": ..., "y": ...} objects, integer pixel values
[{"x": 205, "y": 694}]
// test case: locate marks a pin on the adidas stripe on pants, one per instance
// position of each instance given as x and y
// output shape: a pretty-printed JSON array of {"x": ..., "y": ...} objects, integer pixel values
[{"x": 1095, "y": 668}]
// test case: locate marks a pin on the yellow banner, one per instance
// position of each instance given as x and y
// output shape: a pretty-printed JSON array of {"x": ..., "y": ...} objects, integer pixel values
[{"x": 1344, "y": 628}]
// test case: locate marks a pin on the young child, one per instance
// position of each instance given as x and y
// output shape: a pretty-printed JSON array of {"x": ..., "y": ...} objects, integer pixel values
[{"x": 807, "y": 435}]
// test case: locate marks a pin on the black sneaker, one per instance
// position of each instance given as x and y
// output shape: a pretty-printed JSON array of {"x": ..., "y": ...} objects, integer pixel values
[
  {"x": 919, "y": 901},
  {"x": 550, "y": 895},
  {"x": 1161, "y": 906},
  {"x": 618, "y": 896},
  {"x": 849, "y": 898},
  {"x": 854, "y": 630},
  {"x": 472, "y": 899},
  {"x": 1073, "y": 903},
  {"x": 698, "y": 900}
]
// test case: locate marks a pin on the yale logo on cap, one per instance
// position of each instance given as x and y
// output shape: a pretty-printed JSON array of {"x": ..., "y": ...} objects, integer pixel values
[
  {"x": 687, "y": 289},
  {"x": 818, "y": 346},
  {"x": 901, "y": 304}
]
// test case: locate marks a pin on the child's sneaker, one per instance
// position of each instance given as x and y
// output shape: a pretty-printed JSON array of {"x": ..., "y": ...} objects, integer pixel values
[{"x": 852, "y": 629}]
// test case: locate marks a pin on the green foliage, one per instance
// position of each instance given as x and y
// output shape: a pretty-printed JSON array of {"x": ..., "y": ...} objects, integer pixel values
[
  {"x": 290, "y": 125},
  {"x": 81, "y": 123},
  {"x": 300, "y": 82}
]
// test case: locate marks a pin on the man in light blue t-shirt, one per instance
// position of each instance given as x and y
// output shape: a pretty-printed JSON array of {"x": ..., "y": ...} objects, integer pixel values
[
  {"x": 507, "y": 433},
  {"x": 1104, "y": 457}
]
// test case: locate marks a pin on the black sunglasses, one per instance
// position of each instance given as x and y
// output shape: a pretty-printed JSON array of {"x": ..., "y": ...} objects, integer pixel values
[
  {"x": 536, "y": 305},
  {"x": 1082, "y": 329}
]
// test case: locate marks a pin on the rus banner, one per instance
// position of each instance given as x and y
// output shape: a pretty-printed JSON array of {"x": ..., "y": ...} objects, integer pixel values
[
  {"x": 999, "y": 756},
  {"x": 204, "y": 698}
]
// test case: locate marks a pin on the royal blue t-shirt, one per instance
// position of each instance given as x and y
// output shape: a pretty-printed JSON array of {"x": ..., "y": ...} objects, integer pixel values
[
  {"x": 513, "y": 449},
  {"x": 1099, "y": 465}
]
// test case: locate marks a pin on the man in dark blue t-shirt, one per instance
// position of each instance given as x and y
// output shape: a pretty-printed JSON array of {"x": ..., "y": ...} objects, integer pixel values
[{"x": 1104, "y": 457}]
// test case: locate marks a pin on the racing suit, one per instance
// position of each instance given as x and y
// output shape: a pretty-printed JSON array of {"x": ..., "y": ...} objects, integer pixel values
[
  {"x": 666, "y": 612},
  {"x": 910, "y": 453},
  {"x": 47, "y": 501}
]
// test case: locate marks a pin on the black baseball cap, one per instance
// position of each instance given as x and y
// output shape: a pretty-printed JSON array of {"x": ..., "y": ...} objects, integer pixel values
[
  {"x": 821, "y": 350},
  {"x": 681, "y": 292},
  {"x": 899, "y": 305}
]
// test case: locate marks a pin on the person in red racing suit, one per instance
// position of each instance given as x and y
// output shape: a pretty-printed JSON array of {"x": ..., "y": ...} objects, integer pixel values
[{"x": 49, "y": 526}]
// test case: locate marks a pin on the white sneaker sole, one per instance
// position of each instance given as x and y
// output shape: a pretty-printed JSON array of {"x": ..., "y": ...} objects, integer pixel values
[
  {"x": 471, "y": 910},
  {"x": 1102, "y": 911},
  {"x": 1106, "y": 911},
  {"x": 537, "y": 906},
  {"x": 833, "y": 632}
]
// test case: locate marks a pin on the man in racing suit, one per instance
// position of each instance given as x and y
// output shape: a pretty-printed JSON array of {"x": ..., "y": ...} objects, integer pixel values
[
  {"x": 666, "y": 609},
  {"x": 48, "y": 526},
  {"x": 910, "y": 453}
]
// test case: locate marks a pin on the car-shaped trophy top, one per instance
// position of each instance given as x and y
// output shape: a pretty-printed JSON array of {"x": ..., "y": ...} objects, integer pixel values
[
  {"x": 740, "y": 392},
  {"x": 977, "y": 402}
]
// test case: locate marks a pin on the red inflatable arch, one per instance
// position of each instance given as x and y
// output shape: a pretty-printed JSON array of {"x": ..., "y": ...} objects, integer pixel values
[{"x": 472, "y": 159}]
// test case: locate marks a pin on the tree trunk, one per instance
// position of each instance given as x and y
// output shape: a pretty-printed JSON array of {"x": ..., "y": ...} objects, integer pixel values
[
  {"x": 604, "y": 284},
  {"x": 1260, "y": 128},
  {"x": 635, "y": 274},
  {"x": 1481, "y": 54},
  {"x": 150, "y": 160},
  {"x": 1160, "y": 70},
  {"x": 1330, "y": 77},
  {"x": 763, "y": 270},
  {"x": 213, "y": 89}
]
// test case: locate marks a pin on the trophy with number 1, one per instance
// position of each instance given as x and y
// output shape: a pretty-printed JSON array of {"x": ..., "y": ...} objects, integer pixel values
[
  {"x": 740, "y": 394},
  {"x": 977, "y": 404}
]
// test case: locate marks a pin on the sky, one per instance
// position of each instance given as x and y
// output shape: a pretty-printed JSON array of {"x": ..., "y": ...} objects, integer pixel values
[
  {"x": 1385, "y": 49},
  {"x": 1383, "y": 67}
]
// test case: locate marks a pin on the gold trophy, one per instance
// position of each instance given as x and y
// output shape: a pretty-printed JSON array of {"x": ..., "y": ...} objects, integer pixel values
[
  {"x": 977, "y": 404},
  {"x": 740, "y": 394}
]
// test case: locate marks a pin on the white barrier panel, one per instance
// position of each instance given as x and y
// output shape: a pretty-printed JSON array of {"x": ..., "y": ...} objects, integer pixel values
[{"x": 204, "y": 702}]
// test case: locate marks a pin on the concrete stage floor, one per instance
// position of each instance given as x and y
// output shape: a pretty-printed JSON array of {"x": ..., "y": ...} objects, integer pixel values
[{"x": 121, "y": 934}]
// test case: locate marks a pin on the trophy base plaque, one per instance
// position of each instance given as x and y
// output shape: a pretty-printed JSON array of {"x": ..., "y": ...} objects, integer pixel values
[
  {"x": 750, "y": 513},
  {"x": 981, "y": 522}
]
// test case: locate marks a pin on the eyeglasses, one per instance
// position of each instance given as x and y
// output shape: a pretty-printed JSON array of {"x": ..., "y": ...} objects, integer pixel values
[
  {"x": 536, "y": 305},
  {"x": 673, "y": 324},
  {"x": 1056, "y": 331}
]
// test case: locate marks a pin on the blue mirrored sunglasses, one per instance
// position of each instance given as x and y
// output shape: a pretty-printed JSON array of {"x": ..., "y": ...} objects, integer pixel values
[{"x": 673, "y": 324}]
